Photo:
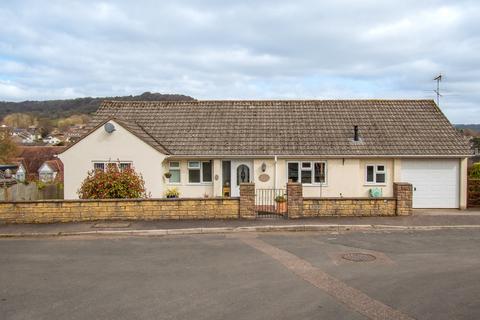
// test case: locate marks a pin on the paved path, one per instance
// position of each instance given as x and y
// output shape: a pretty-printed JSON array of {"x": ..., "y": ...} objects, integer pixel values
[
  {"x": 420, "y": 218},
  {"x": 419, "y": 275}
]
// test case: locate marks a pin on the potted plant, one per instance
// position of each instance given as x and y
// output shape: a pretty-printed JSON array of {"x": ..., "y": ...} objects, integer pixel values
[
  {"x": 281, "y": 201},
  {"x": 172, "y": 193},
  {"x": 167, "y": 175}
]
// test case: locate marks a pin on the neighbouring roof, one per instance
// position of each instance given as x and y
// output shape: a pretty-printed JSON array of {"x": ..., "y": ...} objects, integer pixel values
[
  {"x": 317, "y": 127},
  {"x": 56, "y": 165},
  {"x": 34, "y": 157}
]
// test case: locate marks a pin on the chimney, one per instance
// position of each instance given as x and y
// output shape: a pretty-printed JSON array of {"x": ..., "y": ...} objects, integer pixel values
[{"x": 355, "y": 133}]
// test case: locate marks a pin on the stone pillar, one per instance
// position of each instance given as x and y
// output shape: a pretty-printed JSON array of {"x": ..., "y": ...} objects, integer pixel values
[
  {"x": 403, "y": 192},
  {"x": 294, "y": 200},
  {"x": 247, "y": 201}
]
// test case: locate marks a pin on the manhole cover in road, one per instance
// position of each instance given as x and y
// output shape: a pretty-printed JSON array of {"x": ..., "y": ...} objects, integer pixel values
[{"x": 358, "y": 257}]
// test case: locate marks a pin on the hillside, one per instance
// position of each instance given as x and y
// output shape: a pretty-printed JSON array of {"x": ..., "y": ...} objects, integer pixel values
[
  {"x": 54, "y": 109},
  {"x": 474, "y": 127}
]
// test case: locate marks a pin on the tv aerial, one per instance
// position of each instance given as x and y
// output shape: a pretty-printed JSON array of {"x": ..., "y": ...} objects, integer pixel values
[{"x": 437, "y": 91}]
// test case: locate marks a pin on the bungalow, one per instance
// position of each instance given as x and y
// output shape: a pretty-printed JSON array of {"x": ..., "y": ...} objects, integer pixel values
[
  {"x": 50, "y": 171},
  {"x": 335, "y": 148}
]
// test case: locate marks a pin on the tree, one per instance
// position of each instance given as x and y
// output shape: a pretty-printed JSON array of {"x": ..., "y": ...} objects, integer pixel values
[
  {"x": 113, "y": 184},
  {"x": 8, "y": 149},
  {"x": 45, "y": 126},
  {"x": 19, "y": 120}
]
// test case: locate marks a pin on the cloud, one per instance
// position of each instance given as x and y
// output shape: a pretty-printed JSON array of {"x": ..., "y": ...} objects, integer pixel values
[{"x": 248, "y": 49}]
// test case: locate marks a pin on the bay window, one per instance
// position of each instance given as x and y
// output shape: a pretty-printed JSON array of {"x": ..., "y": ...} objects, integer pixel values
[{"x": 307, "y": 172}]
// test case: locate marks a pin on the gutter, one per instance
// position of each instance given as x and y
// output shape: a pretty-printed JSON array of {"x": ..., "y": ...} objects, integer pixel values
[{"x": 304, "y": 156}]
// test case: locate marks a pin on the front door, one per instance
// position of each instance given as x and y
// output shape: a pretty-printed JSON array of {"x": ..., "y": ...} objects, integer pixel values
[{"x": 241, "y": 173}]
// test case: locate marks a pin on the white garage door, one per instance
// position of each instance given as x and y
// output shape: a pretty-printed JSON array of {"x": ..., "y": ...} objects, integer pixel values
[{"x": 435, "y": 182}]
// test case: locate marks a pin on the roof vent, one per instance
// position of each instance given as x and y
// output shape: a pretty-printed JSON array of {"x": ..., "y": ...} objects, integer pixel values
[
  {"x": 355, "y": 133},
  {"x": 109, "y": 127}
]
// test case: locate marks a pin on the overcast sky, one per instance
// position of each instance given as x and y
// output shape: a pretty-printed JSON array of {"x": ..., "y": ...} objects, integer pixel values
[{"x": 219, "y": 49}]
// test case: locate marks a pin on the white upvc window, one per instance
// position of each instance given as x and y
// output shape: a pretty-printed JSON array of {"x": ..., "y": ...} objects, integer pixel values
[
  {"x": 199, "y": 171},
  {"x": 124, "y": 165},
  {"x": 174, "y": 169},
  {"x": 102, "y": 165},
  {"x": 99, "y": 166},
  {"x": 375, "y": 174},
  {"x": 307, "y": 172}
]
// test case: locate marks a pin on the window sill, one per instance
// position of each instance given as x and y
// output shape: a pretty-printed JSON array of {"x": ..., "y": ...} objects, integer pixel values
[
  {"x": 375, "y": 185},
  {"x": 200, "y": 184}
]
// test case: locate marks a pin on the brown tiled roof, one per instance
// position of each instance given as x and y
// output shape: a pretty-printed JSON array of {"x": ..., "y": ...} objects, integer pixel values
[
  {"x": 34, "y": 157},
  {"x": 318, "y": 127},
  {"x": 55, "y": 164}
]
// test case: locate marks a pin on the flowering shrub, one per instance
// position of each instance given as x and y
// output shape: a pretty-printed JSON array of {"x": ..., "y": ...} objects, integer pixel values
[{"x": 113, "y": 184}]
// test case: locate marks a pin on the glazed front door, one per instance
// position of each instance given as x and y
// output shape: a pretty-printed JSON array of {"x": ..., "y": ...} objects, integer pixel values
[{"x": 241, "y": 173}]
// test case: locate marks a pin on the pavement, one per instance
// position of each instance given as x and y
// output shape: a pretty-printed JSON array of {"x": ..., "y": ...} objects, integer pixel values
[
  {"x": 420, "y": 219},
  {"x": 278, "y": 275}
]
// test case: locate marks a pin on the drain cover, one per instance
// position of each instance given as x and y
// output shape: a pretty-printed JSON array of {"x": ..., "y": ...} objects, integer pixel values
[{"x": 358, "y": 257}]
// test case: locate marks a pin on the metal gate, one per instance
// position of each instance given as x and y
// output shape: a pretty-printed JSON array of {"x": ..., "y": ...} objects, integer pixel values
[{"x": 271, "y": 203}]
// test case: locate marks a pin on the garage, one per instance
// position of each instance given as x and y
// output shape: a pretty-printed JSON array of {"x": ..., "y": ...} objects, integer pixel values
[{"x": 435, "y": 182}]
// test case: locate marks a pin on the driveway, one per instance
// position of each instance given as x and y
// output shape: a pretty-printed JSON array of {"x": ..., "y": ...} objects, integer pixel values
[{"x": 414, "y": 275}]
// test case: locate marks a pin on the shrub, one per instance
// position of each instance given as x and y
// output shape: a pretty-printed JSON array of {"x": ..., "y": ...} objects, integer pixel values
[
  {"x": 113, "y": 184},
  {"x": 475, "y": 171}
]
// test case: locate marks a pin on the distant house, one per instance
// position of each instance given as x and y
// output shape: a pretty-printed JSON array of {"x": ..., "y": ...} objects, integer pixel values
[
  {"x": 74, "y": 133},
  {"x": 31, "y": 159},
  {"x": 52, "y": 140},
  {"x": 7, "y": 175},
  {"x": 51, "y": 170},
  {"x": 334, "y": 148},
  {"x": 24, "y": 136}
]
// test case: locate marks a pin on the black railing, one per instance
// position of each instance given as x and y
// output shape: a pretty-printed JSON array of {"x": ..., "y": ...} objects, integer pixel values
[{"x": 271, "y": 203}]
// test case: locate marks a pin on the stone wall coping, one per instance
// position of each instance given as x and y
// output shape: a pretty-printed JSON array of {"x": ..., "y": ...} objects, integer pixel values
[
  {"x": 349, "y": 198},
  {"x": 118, "y": 200},
  {"x": 402, "y": 183}
]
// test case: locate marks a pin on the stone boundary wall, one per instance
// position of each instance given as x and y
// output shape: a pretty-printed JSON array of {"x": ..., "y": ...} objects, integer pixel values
[
  {"x": 51, "y": 211},
  {"x": 318, "y": 207}
]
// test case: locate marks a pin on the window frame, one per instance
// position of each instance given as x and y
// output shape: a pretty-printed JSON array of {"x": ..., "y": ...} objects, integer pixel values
[
  {"x": 119, "y": 165},
  {"x": 99, "y": 162},
  {"x": 311, "y": 168},
  {"x": 170, "y": 168},
  {"x": 107, "y": 163},
  {"x": 375, "y": 172},
  {"x": 200, "y": 168}
]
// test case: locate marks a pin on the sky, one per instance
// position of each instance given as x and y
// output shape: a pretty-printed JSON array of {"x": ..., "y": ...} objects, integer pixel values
[{"x": 225, "y": 49}]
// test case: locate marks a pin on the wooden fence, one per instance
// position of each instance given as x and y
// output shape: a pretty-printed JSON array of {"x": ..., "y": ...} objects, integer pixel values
[
  {"x": 31, "y": 192},
  {"x": 473, "y": 195}
]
